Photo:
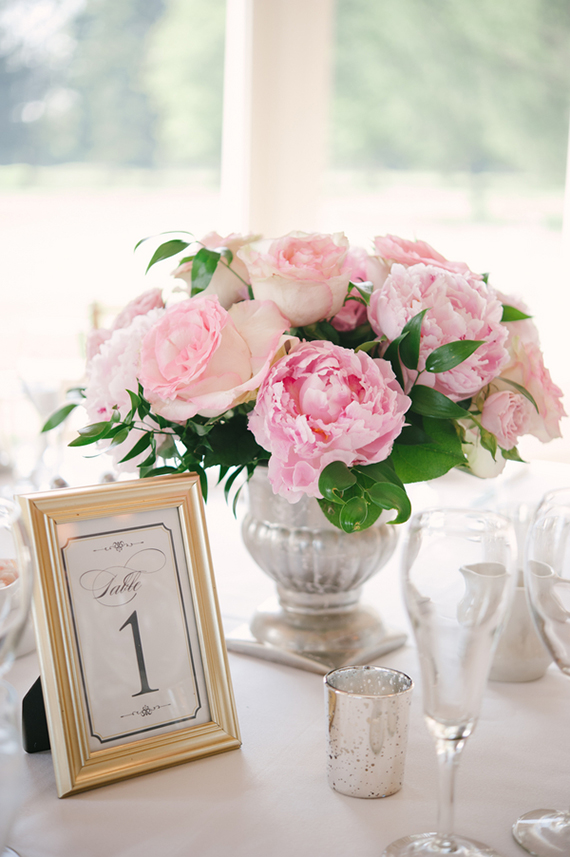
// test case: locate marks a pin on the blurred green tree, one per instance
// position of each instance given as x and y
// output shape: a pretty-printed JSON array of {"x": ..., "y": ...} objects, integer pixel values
[
  {"x": 442, "y": 85},
  {"x": 117, "y": 123},
  {"x": 184, "y": 76},
  {"x": 452, "y": 85}
]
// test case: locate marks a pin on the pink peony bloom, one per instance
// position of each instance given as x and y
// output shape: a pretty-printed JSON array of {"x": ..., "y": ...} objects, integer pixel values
[
  {"x": 95, "y": 339},
  {"x": 526, "y": 367},
  {"x": 506, "y": 415},
  {"x": 350, "y": 316},
  {"x": 359, "y": 265},
  {"x": 304, "y": 274},
  {"x": 139, "y": 306},
  {"x": 201, "y": 359},
  {"x": 113, "y": 371},
  {"x": 229, "y": 282},
  {"x": 394, "y": 249},
  {"x": 152, "y": 299},
  {"x": 456, "y": 309},
  {"x": 323, "y": 403}
]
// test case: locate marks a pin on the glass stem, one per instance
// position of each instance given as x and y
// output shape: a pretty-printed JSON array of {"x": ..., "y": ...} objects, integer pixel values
[{"x": 448, "y": 752}]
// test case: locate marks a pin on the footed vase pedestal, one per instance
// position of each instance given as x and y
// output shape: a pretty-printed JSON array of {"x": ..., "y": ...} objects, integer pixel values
[{"x": 316, "y": 622}]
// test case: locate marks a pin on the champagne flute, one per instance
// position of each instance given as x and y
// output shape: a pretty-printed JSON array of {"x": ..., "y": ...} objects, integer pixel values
[
  {"x": 15, "y": 597},
  {"x": 458, "y": 579},
  {"x": 546, "y": 832}
]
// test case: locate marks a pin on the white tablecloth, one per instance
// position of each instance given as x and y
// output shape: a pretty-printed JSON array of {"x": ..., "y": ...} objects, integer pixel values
[{"x": 271, "y": 796}]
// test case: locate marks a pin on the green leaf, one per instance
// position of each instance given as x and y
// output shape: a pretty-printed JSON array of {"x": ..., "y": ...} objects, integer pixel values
[
  {"x": 96, "y": 431},
  {"x": 145, "y": 472},
  {"x": 432, "y": 403},
  {"x": 412, "y": 435},
  {"x": 120, "y": 436},
  {"x": 451, "y": 354},
  {"x": 392, "y": 355},
  {"x": 410, "y": 345},
  {"x": 168, "y": 232},
  {"x": 79, "y": 390},
  {"x": 135, "y": 400},
  {"x": 522, "y": 390},
  {"x": 140, "y": 446},
  {"x": 444, "y": 434},
  {"x": 150, "y": 461},
  {"x": 59, "y": 416},
  {"x": 332, "y": 511},
  {"x": 382, "y": 471},
  {"x": 231, "y": 479},
  {"x": 488, "y": 442},
  {"x": 353, "y": 338},
  {"x": 423, "y": 462},
  {"x": 83, "y": 441},
  {"x": 335, "y": 478},
  {"x": 167, "y": 447},
  {"x": 169, "y": 248},
  {"x": 364, "y": 291},
  {"x": 227, "y": 254},
  {"x": 203, "y": 268},
  {"x": 369, "y": 347},
  {"x": 353, "y": 514},
  {"x": 389, "y": 496},
  {"x": 511, "y": 313},
  {"x": 512, "y": 454},
  {"x": 143, "y": 408},
  {"x": 320, "y": 330},
  {"x": 232, "y": 444}
]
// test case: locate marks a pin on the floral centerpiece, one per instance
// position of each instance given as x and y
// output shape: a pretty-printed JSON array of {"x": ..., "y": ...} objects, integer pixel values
[{"x": 349, "y": 374}]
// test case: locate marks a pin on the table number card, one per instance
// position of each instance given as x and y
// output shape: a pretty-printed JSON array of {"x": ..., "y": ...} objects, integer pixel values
[{"x": 128, "y": 630}]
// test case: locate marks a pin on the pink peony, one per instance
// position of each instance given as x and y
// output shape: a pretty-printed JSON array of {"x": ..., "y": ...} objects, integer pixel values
[
  {"x": 201, "y": 359},
  {"x": 95, "y": 340},
  {"x": 113, "y": 371},
  {"x": 229, "y": 282},
  {"x": 394, "y": 249},
  {"x": 506, "y": 415},
  {"x": 143, "y": 304},
  {"x": 526, "y": 367},
  {"x": 139, "y": 306},
  {"x": 456, "y": 309},
  {"x": 353, "y": 313},
  {"x": 304, "y": 274},
  {"x": 350, "y": 316},
  {"x": 323, "y": 403}
]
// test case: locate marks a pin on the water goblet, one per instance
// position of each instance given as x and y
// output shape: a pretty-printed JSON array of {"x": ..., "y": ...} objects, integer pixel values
[
  {"x": 457, "y": 570},
  {"x": 15, "y": 597},
  {"x": 546, "y": 832}
]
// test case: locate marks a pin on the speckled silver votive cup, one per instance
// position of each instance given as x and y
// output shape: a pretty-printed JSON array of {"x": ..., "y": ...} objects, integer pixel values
[{"x": 367, "y": 710}]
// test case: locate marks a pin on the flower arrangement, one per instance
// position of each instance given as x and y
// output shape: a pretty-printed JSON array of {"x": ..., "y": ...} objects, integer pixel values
[{"x": 348, "y": 373}]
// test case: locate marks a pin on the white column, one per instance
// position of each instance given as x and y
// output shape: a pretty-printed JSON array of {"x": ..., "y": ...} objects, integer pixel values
[{"x": 277, "y": 85}]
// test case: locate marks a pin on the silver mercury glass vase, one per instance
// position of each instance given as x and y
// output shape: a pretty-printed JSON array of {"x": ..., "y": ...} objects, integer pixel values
[{"x": 317, "y": 622}]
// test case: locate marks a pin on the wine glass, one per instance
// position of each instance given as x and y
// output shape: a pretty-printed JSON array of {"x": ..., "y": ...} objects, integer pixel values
[
  {"x": 546, "y": 832},
  {"x": 15, "y": 597},
  {"x": 458, "y": 577}
]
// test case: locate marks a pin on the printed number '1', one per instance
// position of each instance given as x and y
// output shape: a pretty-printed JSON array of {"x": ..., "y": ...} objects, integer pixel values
[{"x": 134, "y": 623}]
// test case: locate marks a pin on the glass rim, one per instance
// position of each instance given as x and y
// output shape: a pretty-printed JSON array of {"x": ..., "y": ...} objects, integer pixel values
[
  {"x": 460, "y": 512},
  {"x": 371, "y": 668}
]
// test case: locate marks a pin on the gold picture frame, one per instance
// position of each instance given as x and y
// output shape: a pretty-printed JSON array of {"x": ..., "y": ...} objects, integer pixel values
[{"x": 125, "y": 597}]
